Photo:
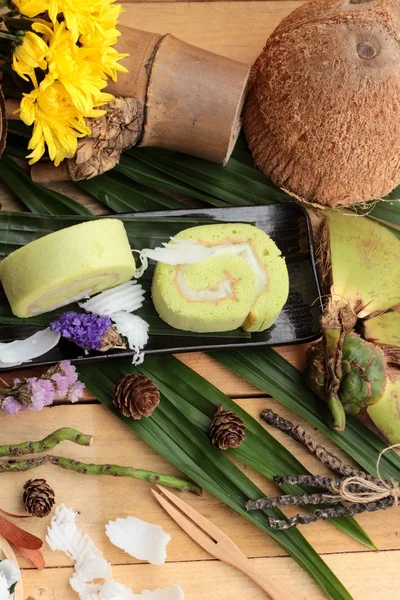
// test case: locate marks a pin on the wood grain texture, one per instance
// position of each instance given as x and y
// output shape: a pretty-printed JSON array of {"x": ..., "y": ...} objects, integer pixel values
[
  {"x": 235, "y": 29},
  {"x": 232, "y": 385},
  {"x": 361, "y": 573},
  {"x": 100, "y": 498}
]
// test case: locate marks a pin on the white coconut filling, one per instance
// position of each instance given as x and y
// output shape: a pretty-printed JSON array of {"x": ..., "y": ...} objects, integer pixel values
[{"x": 225, "y": 288}]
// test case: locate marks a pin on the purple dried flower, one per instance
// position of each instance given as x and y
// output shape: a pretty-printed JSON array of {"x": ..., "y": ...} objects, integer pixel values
[
  {"x": 75, "y": 391},
  {"x": 69, "y": 371},
  {"x": 85, "y": 330},
  {"x": 41, "y": 393},
  {"x": 11, "y": 406}
]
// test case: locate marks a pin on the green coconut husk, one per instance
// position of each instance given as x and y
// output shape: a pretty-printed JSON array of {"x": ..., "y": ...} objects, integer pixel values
[{"x": 359, "y": 262}]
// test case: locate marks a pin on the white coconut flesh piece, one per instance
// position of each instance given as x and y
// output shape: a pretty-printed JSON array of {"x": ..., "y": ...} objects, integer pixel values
[
  {"x": 4, "y": 587},
  {"x": 135, "y": 330},
  {"x": 127, "y": 296},
  {"x": 10, "y": 572},
  {"x": 92, "y": 579},
  {"x": 20, "y": 351},
  {"x": 142, "y": 540}
]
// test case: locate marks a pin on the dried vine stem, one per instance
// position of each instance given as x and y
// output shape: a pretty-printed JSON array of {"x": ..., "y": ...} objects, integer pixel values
[
  {"x": 325, "y": 457},
  {"x": 93, "y": 469},
  {"x": 47, "y": 443},
  {"x": 331, "y": 513}
]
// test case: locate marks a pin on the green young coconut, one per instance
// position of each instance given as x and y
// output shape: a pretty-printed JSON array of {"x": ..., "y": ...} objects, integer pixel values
[
  {"x": 362, "y": 377},
  {"x": 359, "y": 261},
  {"x": 384, "y": 329}
]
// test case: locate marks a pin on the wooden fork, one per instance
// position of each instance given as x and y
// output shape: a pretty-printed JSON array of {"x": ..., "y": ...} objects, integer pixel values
[{"x": 216, "y": 542}]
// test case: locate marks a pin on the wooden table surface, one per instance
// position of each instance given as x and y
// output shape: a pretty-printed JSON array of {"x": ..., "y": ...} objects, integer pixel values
[{"x": 239, "y": 30}]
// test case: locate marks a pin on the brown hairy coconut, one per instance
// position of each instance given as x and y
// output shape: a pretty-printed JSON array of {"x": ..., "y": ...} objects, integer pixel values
[{"x": 322, "y": 117}]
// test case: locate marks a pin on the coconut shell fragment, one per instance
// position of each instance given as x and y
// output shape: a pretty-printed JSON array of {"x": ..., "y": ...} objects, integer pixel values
[{"x": 322, "y": 118}]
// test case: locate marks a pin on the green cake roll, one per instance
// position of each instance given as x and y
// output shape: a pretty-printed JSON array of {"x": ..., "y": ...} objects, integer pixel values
[
  {"x": 243, "y": 283},
  {"x": 66, "y": 266}
]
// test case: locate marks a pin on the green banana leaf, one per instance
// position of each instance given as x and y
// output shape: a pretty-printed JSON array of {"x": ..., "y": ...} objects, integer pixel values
[
  {"x": 275, "y": 376},
  {"x": 172, "y": 431}
]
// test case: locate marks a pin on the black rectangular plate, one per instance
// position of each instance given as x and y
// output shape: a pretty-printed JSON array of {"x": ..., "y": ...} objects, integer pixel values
[{"x": 288, "y": 225}]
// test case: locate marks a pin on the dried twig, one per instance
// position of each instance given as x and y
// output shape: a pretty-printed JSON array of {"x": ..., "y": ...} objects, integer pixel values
[
  {"x": 303, "y": 437},
  {"x": 331, "y": 513}
]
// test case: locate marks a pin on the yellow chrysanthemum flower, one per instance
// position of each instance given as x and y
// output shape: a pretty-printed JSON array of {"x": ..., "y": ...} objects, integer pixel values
[
  {"x": 56, "y": 123},
  {"x": 30, "y": 55},
  {"x": 68, "y": 64},
  {"x": 81, "y": 16}
]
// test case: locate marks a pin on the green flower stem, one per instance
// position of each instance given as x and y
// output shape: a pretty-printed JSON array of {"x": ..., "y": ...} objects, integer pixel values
[
  {"x": 91, "y": 469},
  {"x": 7, "y": 36},
  {"x": 47, "y": 443},
  {"x": 337, "y": 411}
]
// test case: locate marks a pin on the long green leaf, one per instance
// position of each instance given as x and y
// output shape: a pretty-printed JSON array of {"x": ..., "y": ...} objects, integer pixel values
[
  {"x": 174, "y": 436},
  {"x": 237, "y": 183},
  {"x": 121, "y": 194},
  {"x": 145, "y": 174},
  {"x": 275, "y": 376},
  {"x": 37, "y": 198},
  {"x": 197, "y": 399}
]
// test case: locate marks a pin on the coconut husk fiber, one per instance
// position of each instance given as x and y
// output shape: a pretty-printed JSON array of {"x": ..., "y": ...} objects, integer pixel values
[{"x": 322, "y": 118}]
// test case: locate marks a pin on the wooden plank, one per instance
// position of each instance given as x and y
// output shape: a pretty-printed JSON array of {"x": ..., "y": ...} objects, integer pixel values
[
  {"x": 224, "y": 379},
  {"x": 99, "y": 498},
  {"x": 367, "y": 576},
  {"x": 237, "y": 29}
]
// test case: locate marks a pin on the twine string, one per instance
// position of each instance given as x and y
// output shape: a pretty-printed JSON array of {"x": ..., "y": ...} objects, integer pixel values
[{"x": 371, "y": 490}]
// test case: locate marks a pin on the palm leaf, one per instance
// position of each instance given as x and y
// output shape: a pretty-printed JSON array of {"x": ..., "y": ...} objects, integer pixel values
[
  {"x": 197, "y": 399},
  {"x": 171, "y": 433},
  {"x": 121, "y": 194},
  {"x": 34, "y": 196},
  {"x": 275, "y": 376}
]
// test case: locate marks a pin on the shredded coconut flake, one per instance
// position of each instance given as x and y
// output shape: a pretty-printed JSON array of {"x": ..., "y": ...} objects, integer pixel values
[
  {"x": 135, "y": 330},
  {"x": 179, "y": 252},
  {"x": 125, "y": 297},
  {"x": 63, "y": 534},
  {"x": 140, "y": 539}
]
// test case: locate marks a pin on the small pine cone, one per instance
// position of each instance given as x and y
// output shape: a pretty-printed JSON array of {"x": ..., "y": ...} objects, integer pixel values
[
  {"x": 136, "y": 396},
  {"x": 39, "y": 497},
  {"x": 227, "y": 429}
]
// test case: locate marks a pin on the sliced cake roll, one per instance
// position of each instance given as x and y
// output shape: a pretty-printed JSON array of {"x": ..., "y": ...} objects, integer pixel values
[{"x": 242, "y": 281}]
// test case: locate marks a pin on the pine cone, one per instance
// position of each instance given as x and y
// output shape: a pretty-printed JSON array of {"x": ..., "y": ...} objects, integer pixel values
[
  {"x": 227, "y": 429},
  {"x": 136, "y": 396},
  {"x": 39, "y": 497}
]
